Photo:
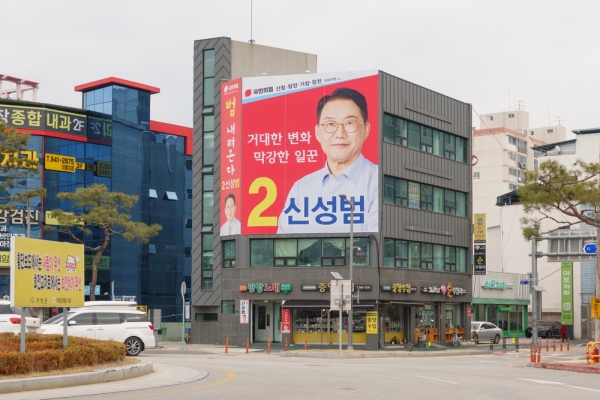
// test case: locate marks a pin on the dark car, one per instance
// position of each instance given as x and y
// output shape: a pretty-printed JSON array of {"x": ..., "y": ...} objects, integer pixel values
[{"x": 546, "y": 329}]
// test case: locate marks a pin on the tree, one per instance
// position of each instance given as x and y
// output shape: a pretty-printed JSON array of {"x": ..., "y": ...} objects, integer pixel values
[
  {"x": 574, "y": 192},
  {"x": 14, "y": 169},
  {"x": 95, "y": 206}
]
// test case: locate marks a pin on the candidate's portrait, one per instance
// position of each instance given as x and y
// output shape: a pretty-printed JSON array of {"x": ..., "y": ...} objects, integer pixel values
[
  {"x": 232, "y": 225},
  {"x": 342, "y": 127}
]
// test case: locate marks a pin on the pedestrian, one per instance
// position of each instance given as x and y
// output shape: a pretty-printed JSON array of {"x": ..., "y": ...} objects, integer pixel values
[{"x": 563, "y": 332}]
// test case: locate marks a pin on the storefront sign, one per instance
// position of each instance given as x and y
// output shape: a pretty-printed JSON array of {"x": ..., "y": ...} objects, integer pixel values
[
  {"x": 479, "y": 263},
  {"x": 494, "y": 284},
  {"x": 595, "y": 303},
  {"x": 371, "y": 322},
  {"x": 325, "y": 287},
  {"x": 308, "y": 287},
  {"x": 13, "y": 159},
  {"x": 36, "y": 118},
  {"x": 265, "y": 287},
  {"x": 363, "y": 287},
  {"x": 244, "y": 310},
  {"x": 480, "y": 230},
  {"x": 444, "y": 290},
  {"x": 57, "y": 162},
  {"x": 103, "y": 263},
  {"x": 566, "y": 292},
  {"x": 4, "y": 258},
  {"x": 46, "y": 273},
  {"x": 399, "y": 288}
]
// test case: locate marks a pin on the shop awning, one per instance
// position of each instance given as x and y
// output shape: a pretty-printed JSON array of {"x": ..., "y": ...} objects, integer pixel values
[
  {"x": 324, "y": 304},
  {"x": 405, "y": 303}
]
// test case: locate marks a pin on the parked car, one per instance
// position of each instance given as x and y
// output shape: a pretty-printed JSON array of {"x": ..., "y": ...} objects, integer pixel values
[
  {"x": 10, "y": 318},
  {"x": 107, "y": 320},
  {"x": 546, "y": 329},
  {"x": 482, "y": 331}
]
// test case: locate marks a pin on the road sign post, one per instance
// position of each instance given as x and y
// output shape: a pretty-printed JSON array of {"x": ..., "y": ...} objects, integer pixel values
[{"x": 590, "y": 248}]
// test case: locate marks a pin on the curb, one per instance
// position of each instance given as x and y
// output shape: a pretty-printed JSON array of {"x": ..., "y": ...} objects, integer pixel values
[
  {"x": 83, "y": 378},
  {"x": 566, "y": 367},
  {"x": 345, "y": 354}
]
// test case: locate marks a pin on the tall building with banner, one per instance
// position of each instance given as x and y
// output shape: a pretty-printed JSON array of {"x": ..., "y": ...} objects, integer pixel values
[
  {"x": 287, "y": 161},
  {"x": 111, "y": 140}
]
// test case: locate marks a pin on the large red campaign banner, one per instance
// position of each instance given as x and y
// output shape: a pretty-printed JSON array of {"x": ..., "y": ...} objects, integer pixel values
[{"x": 305, "y": 140}]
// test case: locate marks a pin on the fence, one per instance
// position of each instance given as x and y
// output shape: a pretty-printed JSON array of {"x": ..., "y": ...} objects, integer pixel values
[{"x": 171, "y": 331}]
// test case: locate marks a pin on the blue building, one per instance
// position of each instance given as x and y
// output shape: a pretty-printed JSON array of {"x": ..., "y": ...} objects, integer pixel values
[{"x": 114, "y": 142}]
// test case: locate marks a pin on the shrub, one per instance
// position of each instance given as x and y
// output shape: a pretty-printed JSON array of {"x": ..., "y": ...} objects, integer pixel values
[{"x": 46, "y": 353}]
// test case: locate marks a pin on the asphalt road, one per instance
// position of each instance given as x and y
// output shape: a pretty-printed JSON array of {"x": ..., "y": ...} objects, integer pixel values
[{"x": 259, "y": 376}]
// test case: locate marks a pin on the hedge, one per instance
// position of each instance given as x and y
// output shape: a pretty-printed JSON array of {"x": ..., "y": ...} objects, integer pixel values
[{"x": 46, "y": 353}]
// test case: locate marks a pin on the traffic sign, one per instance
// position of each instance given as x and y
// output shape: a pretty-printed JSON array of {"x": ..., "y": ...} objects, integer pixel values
[
  {"x": 590, "y": 248},
  {"x": 595, "y": 307}
]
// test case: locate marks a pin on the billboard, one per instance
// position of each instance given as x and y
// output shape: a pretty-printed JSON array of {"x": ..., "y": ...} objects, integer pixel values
[
  {"x": 566, "y": 292},
  {"x": 480, "y": 229},
  {"x": 45, "y": 273},
  {"x": 302, "y": 141}
]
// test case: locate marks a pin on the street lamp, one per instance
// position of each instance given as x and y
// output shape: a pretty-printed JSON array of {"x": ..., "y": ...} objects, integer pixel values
[
  {"x": 338, "y": 278},
  {"x": 350, "y": 314}
]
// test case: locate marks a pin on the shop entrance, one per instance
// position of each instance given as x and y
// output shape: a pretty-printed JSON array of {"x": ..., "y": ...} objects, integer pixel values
[{"x": 266, "y": 321}]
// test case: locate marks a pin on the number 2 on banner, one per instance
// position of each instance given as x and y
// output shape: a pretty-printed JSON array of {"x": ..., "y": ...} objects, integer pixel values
[{"x": 255, "y": 218}]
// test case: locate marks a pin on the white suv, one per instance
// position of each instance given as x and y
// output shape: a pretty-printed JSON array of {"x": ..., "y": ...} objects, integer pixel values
[
  {"x": 107, "y": 320},
  {"x": 10, "y": 318}
]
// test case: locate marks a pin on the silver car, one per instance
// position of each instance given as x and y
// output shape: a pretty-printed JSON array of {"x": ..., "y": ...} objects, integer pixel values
[{"x": 482, "y": 331}]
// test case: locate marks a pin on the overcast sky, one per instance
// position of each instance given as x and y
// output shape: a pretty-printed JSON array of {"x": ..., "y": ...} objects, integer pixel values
[{"x": 491, "y": 54}]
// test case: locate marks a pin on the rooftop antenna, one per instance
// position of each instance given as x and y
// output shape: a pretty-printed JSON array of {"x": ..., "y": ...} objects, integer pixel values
[
  {"x": 520, "y": 105},
  {"x": 560, "y": 119},
  {"x": 251, "y": 40}
]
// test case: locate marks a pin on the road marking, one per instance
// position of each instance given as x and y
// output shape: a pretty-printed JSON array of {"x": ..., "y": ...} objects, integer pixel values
[
  {"x": 487, "y": 361},
  {"x": 433, "y": 379},
  {"x": 560, "y": 384}
]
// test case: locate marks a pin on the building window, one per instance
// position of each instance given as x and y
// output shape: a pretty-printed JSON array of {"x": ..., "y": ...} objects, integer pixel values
[
  {"x": 404, "y": 254},
  {"x": 207, "y": 200},
  {"x": 203, "y": 317},
  {"x": 550, "y": 130},
  {"x": 512, "y": 140},
  {"x": 512, "y": 186},
  {"x": 170, "y": 196},
  {"x": 209, "y": 73},
  {"x": 423, "y": 138},
  {"x": 511, "y": 115},
  {"x": 490, "y": 117},
  {"x": 208, "y": 140},
  {"x": 308, "y": 252},
  {"x": 152, "y": 194},
  {"x": 206, "y": 279},
  {"x": 229, "y": 249},
  {"x": 404, "y": 193},
  {"x": 228, "y": 307}
]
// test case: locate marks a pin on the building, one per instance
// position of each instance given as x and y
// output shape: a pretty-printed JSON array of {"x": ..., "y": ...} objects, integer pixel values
[
  {"x": 113, "y": 141},
  {"x": 264, "y": 268}
]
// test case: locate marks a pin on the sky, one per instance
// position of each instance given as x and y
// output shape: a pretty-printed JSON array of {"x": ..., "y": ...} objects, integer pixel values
[{"x": 542, "y": 54}]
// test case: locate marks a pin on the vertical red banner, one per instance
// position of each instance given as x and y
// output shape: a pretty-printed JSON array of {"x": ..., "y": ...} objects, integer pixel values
[
  {"x": 286, "y": 319},
  {"x": 231, "y": 157}
]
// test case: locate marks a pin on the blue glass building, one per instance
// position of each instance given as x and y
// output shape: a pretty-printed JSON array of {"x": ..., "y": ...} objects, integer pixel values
[{"x": 117, "y": 144}]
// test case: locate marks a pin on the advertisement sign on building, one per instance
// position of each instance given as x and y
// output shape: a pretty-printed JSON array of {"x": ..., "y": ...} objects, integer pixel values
[
  {"x": 479, "y": 264},
  {"x": 42, "y": 119},
  {"x": 303, "y": 140},
  {"x": 244, "y": 311},
  {"x": 566, "y": 292},
  {"x": 45, "y": 273},
  {"x": 286, "y": 320},
  {"x": 480, "y": 229}
]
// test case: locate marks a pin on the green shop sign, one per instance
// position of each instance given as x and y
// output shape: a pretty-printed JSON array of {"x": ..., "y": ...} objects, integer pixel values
[
  {"x": 494, "y": 284},
  {"x": 103, "y": 263},
  {"x": 266, "y": 287}
]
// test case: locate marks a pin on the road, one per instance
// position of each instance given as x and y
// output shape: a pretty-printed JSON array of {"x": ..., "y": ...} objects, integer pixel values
[{"x": 259, "y": 376}]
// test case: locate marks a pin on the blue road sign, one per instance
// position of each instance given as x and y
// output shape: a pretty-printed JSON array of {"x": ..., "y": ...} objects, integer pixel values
[
  {"x": 590, "y": 248},
  {"x": 524, "y": 282}
]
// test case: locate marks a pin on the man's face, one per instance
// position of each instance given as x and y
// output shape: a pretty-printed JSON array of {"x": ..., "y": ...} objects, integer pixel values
[
  {"x": 230, "y": 209},
  {"x": 341, "y": 146}
]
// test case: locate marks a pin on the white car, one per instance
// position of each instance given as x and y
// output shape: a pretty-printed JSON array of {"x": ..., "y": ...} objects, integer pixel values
[
  {"x": 10, "y": 318},
  {"x": 482, "y": 331},
  {"x": 107, "y": 320}
]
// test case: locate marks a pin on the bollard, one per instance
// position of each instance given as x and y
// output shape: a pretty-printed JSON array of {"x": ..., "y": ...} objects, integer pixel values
[
  {"x": 517, "y": 345},
  {"x": 531, "y": 354},
  {"x": 504, "y": 345},
  {"x": 226, "y": 344},
  {"x": 409, "y": 346},
  {"x": 547, "y": 349},
  {"x": 285, "y": 348},
  {"x": 306, "y": 344},
  {"x": 587, "y": 355},
  {"x": 561, "y": 349},
  {"x": 247, "y": 344},
  {"x": 568, "y": 345},
  {"x": 539, "y": 354},
  {"x": 269, "y": 346},
  {"x": 554, "y": 345},
  {"x": 491, "y": 345}
]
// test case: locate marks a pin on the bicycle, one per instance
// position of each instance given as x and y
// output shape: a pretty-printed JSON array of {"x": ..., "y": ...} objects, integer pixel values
[{"x": 456, "y": 339}]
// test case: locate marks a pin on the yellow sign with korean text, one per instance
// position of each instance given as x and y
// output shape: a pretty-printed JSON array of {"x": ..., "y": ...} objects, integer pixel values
[
  {"x": 44, "y": 273},
  {"x": 479, "y": 228},
  {"x": 57, "y": 162},
  {"x": 4, "y": 259},
  {"x": 143, "y": 308},
  {"x": 371, "y": 322},
  {"x": 595, "y": 307}
]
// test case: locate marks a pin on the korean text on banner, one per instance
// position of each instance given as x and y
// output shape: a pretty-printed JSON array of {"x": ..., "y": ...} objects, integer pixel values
[
  {"x": 244, "y": 311},
  {"x": 480, "y": 229},
  {"x": 566, "y": 292},
  {"x": 303, "y": 141},
  {"x": 45, "y": 273}
]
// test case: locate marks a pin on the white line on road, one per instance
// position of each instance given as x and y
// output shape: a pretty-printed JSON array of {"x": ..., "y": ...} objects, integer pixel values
[
  {"x": 559, "y": 383},
  {"x": 433, "y": 379}
]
